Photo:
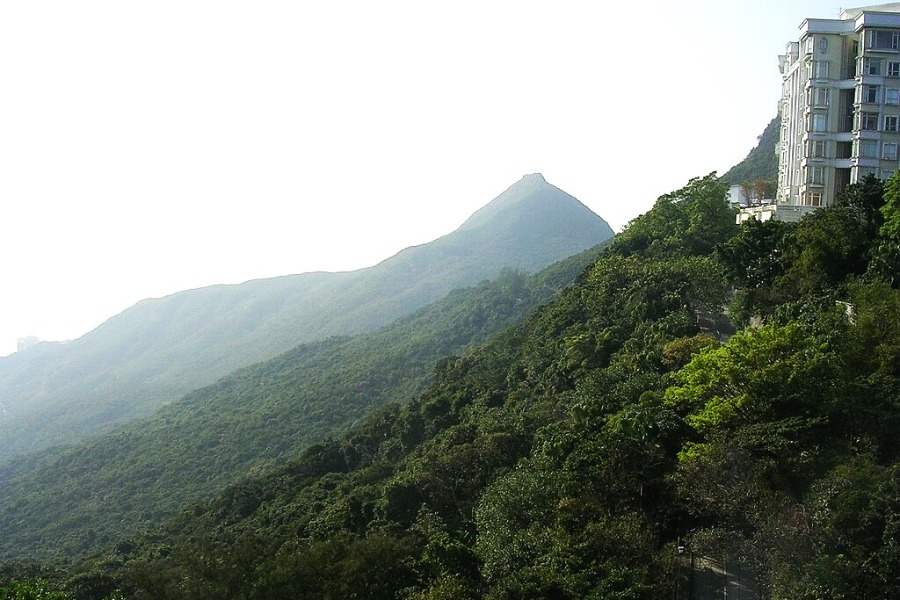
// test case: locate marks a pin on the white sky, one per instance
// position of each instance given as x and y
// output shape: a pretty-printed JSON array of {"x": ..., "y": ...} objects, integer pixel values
[{"x": 150, "y": 147}]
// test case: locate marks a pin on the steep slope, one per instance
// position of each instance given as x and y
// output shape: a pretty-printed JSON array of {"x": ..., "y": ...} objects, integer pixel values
[
  {"x": 487, "y": 486},
  {"x": 602, "y": 449},
  {"x": 121, "y": 482},
  {"x": 162, "y": 348},
  {"x": 761, "y": 162}
]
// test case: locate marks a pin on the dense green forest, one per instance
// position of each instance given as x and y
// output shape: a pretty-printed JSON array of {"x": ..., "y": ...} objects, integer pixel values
[
  {"x": 585, "y": 451},
  {"x": 140, "y": 474}
]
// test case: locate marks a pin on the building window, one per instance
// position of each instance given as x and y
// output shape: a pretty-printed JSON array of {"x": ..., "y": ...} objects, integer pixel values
[
  {"x": 844, "y": 150},
  {"x": 817, "y": 175},
  {"x": 819, "y": 69},
  {"x": 882, "y": 39},
  {"x": 892, "y": 96},
  {"x": 819, "y": 97},
  {"x": 889, "y": 151},
  {"x": 872, "y": 66},
  {"x": 887, "y": 173},
  {"x": 869, "y": 94},
  {"x": 814, "y": 198},
  {"x": 893, "y": 69},
  {"x": 809, "y": 45},
  {"x": 865, "y": 172},
  {"x": 891, "y": 123},
  {"x": 868, "y": 121},
  {"x": 817, "y": 149},
  {"x": 868, "y": 148},
  {"x": 819, "y": 122}
]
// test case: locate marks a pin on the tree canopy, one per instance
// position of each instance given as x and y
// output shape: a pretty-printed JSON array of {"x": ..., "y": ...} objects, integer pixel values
[{"x": 592, "y": 449}]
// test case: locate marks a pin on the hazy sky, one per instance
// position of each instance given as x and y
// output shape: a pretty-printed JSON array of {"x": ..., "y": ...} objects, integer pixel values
[{"x": 150, "y": 147}]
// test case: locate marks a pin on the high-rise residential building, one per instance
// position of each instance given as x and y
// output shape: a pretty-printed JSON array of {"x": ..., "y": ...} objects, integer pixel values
[{"x": 840, "y": 107}]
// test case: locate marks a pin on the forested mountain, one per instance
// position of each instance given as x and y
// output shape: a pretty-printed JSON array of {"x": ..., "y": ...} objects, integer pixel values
[
  {"x": 608, "y": 446},
  {"x": 163, "y": 348},
  {"x": 761, "y": 162},
  {"x": 124, "y": 481}
]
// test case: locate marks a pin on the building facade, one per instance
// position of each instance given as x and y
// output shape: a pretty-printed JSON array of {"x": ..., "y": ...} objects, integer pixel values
[{"x": 840, "y": 107}]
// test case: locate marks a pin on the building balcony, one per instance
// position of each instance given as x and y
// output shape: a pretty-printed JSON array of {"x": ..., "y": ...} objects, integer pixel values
[
  {"x": 790, "y": 213},
  {"x": 866, "y": 134},
  {"x": 842, "y": 136},
  {"x": 814, "y": 135},
  {"x": 881, "y": 51},
  {"x": 816, "y": 161},
  {"x": 869, "y": 80}
]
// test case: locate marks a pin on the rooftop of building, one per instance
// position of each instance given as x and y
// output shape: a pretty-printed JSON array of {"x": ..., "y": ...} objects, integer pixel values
[
  {"x": 855, "y": 19},
  {"x": 852, "y": 13}
]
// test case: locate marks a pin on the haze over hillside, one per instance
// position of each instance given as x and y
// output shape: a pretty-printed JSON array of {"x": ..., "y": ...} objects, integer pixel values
[
  {"x": 147, "y": 470},
  {"x": 162, "y": 348},
  {"x": 617, "y": 442}
]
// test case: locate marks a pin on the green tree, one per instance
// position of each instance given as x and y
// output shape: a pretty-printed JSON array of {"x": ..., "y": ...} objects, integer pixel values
[
  {"x": 890, "y": 210},
  {"x": 747, "y": 191},
  {"x": 763, "y": 188},
  {"x": 31, "y": 590},
  {"x": 516, "y": 520},
  {"x": 765, "y": 373},
  {"x": 754, "y": 257},
  {"x": 866, "y": 199},
  {"x": 827, "y": 247},
  {"x": 692, "y": 220},
  {"x": 886, "y": 255}
]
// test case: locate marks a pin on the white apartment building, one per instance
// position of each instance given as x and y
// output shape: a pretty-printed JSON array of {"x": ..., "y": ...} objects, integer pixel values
[{"x": 840, "y": 107}]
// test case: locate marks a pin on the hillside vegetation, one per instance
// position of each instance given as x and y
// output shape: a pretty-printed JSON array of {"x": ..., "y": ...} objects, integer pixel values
[
  {"x": 163, "y": 348},
  {"x": 137, "y": 475},
  {"x": 762, "y": 161},
  {"x": 586, "y": 452}
]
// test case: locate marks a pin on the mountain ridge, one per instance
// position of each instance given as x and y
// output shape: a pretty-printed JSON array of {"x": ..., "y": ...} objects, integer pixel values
[
  {"x": 161, "y": 348},
  {"x": 607, "y": 446},
  {"x": 118, "y": 482},
  {"x": 762, "y": 160}
]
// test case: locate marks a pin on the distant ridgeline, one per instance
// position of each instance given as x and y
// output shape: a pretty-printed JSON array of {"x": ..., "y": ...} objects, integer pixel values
[
  {"x": 160, "y": 349},
  {"x": 603, "y": 447},
  {"x": 138, "y": 474}
]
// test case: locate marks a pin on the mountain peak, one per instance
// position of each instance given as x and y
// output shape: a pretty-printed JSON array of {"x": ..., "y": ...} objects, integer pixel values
[
  {"x": 162, "y": 348},
  {"x": 531, "y": 194},
  {"x": 529, "y": 182}
]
